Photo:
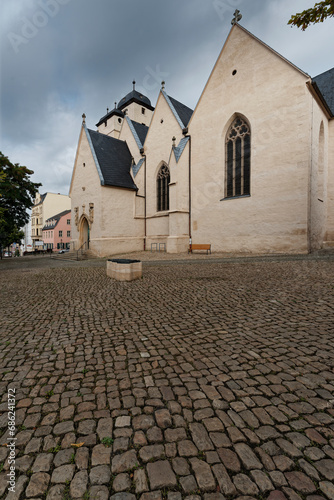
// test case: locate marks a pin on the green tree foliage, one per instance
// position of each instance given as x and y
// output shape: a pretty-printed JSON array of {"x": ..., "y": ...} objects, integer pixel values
[
  {"x": 17, "y": 194},
  {"x": 314, "y": 15}
]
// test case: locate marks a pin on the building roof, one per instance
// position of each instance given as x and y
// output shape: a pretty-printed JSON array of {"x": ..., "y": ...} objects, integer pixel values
[
  {"x": 324, "y": 83},
  {"x": 42, "y": 199},
  {"x": 137, "y": 97},
  {"x": 141, "y": 130},
  {"x": 182, "y": 110},
  {"x": 113, "y": 112},
  {"x": 56, "y": 218},
  {"x": 113, "y": 160}
]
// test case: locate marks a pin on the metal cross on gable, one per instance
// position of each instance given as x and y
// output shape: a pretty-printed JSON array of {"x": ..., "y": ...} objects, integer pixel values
[{"x": 237, "y": 17}]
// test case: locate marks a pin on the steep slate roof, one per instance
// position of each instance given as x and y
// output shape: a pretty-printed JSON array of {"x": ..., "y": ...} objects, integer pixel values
[
  {"x": 135, "y": 96},
  {"x": 113, "y": 160},
  {"x": 56, "y": 218},
  {"x": 111, "y": 113},
  {"x": 182, "y": 110},
  {"x": 324, "y": 83},
  {"x": 141, "y": 130},
  {"x": 178, "y": 150}
]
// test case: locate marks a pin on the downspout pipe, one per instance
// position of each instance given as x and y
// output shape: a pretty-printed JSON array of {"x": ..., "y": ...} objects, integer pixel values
[
  {"x": 185, "y": 133},
  {"x": 145, "y": 208}
]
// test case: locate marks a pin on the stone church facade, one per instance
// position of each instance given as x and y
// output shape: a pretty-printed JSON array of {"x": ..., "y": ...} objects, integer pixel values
[{"x": 251, "y": 169}]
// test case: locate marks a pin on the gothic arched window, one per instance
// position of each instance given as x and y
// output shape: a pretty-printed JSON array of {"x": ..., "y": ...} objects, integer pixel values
[
  {"x": 163, "y": 180},
  {"x": 238, "y": 154}
]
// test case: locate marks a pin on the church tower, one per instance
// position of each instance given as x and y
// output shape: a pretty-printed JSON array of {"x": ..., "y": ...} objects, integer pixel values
[{"x": 135, "y": 105}]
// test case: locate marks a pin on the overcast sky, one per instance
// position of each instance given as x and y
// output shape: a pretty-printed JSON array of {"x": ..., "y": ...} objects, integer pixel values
[{"x": 60, "y": 58}]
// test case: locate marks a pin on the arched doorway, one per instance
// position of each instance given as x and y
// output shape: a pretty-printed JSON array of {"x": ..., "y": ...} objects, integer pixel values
[{"x": 84, "y": 232}]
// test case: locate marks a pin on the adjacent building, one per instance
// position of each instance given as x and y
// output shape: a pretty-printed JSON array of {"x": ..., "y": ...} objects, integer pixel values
[
  {"x": 251, "y": 169},
  {"x": 57, "y": 232},
  {"x": 45, "y": 206}
]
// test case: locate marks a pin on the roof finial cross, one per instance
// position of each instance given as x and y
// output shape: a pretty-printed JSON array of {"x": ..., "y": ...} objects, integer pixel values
[
  {"x": 134, "y": 85},
  {"x": 84, "y": 118},
  {"x": 237, "y": 17}
]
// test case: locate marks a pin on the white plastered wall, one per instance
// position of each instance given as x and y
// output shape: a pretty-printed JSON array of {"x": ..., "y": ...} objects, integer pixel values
[
  {"x": 329, "y": 235},
  {"x": 158, "y": 148},
  {"x": 273, "y": 97}
]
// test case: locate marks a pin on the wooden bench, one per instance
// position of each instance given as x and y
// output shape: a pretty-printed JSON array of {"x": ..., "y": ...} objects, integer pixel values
[{"x": 193, "y": 247}]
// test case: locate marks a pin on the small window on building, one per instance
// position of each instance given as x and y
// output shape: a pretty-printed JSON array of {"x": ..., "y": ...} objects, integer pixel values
[
  {"x": 60, "y": 234},
  {"x": 142, "y": 111},
  {"x": 68, "y": 233},
  {"x": 68, "y": 222}
]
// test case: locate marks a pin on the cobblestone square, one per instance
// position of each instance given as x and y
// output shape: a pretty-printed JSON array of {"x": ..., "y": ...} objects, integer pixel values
[{"x": 206, "y": 379}]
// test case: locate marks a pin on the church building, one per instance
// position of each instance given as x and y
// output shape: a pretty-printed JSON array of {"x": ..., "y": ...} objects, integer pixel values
[{"x": 250, "y": 170}]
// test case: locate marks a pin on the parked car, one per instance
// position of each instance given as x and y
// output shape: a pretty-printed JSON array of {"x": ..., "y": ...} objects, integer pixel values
[
  {"x": 8, "y": 254},
  {"x": 64, "y": 250}
]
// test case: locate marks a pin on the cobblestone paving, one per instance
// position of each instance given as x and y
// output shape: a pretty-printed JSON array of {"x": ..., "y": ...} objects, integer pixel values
[{"x": 199, "y": 381}]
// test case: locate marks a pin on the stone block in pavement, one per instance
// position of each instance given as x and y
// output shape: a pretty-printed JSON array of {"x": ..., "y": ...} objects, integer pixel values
[
  {"x": 326, "y": 468},
  {"x": 38, "y": 484},
  {"x": 104, "y": 428},
  {"x": 140, "y": 481},
  {"x": 63, "y": 457},
  {"x": 100, "y": 474},
  {"x": 262, "y": 480},
  {"x": 188, "y": 483},
  {"x": 100, "y": 455},
  {"x": 56, "y": 492},
  {"x": 124, "y": 462},
  {"x": 143, "y": 422},
  {"x": 121, "y": 482},
  {"x": 204, "y": 477},
  {"x": 43, "y": 462},
  {"x": 123, "y": 496},
  {"x": 63, "y": 473},
  {"x": 187, "y": 448},
  {"x": 229, "y": 459},
  {"x": 201, "y": 437},
  {"x": 247, "y": 456},
  {"x": 82, "y": 457},
  {"x": 300, "y": 482},
  {"x": 63, "y": 428},
  {"x": 244, "y": 485},
  {"x": 224, "y": 481},
  {"x": 161, "y": 475},
  {"x": 155, "y": 451},
  {"x": 78, "y": 485},
  {"x": 327, "y": 488},
  {"x": 163, "y": 418},
  {"x": 99, "y": 493},
  {"x": 277, "y": 495}
]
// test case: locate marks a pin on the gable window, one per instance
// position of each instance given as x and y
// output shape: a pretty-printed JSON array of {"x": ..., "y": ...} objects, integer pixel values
[
  {"x": 68, "y": 222},
  {"x": 163, "y": 180},
  {"x": 238, "y": 154}
]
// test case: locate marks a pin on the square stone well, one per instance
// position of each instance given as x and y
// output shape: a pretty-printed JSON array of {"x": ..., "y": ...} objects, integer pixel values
[{"x": 124, "y": 269}]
